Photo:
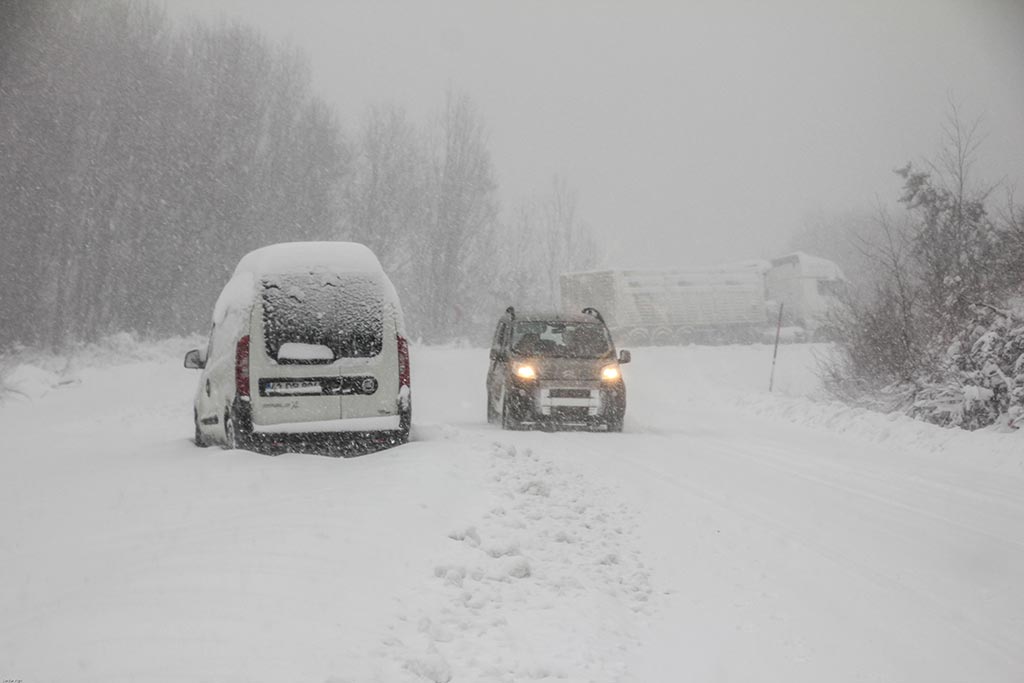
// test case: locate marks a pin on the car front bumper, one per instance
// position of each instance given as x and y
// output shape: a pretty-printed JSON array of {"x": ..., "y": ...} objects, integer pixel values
[{"x": 583, "y": 404}]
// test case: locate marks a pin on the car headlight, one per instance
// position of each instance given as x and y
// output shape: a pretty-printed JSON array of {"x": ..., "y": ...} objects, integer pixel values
[
  {"x": 525, "y": 371},
  {"x": 610, "y": 372}
]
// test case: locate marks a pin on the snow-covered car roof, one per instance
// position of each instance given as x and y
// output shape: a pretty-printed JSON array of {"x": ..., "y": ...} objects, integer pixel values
[
  {"x": 301, "y": 257},
  {"x": 309, "y": 257}
]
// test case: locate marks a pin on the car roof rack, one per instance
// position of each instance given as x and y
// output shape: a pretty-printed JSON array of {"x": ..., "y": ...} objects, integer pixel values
[{"x": 590, "y": 310}]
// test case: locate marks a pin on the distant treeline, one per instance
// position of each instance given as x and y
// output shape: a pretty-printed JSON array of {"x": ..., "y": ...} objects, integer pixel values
[{"x": 139, "y": 159}]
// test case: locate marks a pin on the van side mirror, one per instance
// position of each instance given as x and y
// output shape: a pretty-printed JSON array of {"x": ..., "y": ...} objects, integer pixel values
[
  {"x": 194, "y": 360},
  {"x": 624, "y": 357}
]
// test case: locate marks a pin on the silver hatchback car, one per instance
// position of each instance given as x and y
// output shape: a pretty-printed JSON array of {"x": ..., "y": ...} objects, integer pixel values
[{"x": 555, "y": 371}]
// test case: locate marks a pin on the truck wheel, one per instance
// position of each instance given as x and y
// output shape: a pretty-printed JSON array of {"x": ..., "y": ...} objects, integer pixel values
[
  {"x": 684, "y": 336},
  {"x": 638, "y": 336},
  {"x": 662, "y": 336}
]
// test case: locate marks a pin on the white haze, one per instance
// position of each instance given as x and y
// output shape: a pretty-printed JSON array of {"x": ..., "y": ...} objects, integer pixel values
[{"x": 694, "y": 132}]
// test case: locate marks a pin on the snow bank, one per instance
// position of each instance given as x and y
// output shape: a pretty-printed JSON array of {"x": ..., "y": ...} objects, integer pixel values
[
  {"x": 30, "y": 374},
  {"x": 25, "y": 381},
  {"x": 738, "y": 377}
]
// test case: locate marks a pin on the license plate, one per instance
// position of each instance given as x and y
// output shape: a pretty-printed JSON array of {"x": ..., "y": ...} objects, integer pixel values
[
  {"x": 569, "y": 393},
  {"x": 293, "y": 388}
]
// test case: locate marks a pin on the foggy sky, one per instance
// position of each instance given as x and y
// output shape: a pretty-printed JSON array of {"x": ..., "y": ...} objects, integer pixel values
[{"x": 695, "y": 132}]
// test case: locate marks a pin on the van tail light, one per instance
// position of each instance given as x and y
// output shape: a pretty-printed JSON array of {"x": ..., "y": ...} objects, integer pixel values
[
  {"x": 242, "y": 367},
  {"x": 404, "y": 379}
]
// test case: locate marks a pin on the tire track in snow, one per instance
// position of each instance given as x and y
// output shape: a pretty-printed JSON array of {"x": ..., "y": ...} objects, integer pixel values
[
  {"x": 807, "y": 536},
  {"x": 788, "y": 466}
]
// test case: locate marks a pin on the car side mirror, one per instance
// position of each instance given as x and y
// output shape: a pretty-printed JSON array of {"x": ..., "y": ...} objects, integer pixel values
[
  {"x": 194, "y": 360},
  {"x": 624, "y": 357}
]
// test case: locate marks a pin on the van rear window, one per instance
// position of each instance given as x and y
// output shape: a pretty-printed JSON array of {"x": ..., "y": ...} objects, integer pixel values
[{"x": 341, "y": 312}]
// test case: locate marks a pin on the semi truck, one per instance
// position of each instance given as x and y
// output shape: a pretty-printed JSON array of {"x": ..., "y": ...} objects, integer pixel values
[{"x": 735, "y": 303}]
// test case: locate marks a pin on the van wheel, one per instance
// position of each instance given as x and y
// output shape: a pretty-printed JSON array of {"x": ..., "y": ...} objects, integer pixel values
[
  {"x": 199, "y": 439},
  {"x": 230, "y": 440},
  {"x": 404, "y": 426},
  {"x": 235, "y": 435}
]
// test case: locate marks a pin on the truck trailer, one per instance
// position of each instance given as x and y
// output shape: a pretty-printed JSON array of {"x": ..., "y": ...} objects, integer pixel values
[
  {"x": 736, "y": 303},
  {"x": 680, "y": 306}
]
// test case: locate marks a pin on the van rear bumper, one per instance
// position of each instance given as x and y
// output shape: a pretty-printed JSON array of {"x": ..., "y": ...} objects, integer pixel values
[{"x": 383, "y": 423}]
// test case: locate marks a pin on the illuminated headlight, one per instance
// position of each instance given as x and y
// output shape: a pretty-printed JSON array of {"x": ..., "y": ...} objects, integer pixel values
[
  {"x": 610, "y": 372},
  {"x": 526, "y": 371}
]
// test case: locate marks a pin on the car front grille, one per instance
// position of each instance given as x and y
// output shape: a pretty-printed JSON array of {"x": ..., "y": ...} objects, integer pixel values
[{"x": 569, "y": 412}]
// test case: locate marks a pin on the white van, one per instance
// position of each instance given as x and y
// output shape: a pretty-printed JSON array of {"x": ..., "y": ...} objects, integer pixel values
[{"x": 307, "y": 348}]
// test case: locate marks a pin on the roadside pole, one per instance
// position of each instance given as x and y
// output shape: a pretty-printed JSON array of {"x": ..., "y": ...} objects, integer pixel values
[{"x": 775, "y": 354}]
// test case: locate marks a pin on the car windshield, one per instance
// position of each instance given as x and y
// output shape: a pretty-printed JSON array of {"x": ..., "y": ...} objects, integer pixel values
[
  {"x": 560, "y": 339},
  {"x": 343, "y": 313}
]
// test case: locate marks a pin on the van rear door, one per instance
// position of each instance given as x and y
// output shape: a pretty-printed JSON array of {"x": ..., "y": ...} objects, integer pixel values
[
  {"x": 322, "y": 343},
  {"x": 370, "y": 384},
  {"x": 368, "y": 364}
]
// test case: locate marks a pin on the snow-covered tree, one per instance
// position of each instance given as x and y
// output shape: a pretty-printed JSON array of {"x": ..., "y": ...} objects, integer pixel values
[{"x": 928, "y": 335}]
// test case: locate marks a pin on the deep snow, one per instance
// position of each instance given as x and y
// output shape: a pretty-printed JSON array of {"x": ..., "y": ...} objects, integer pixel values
[{"x": 727, "y": 535}]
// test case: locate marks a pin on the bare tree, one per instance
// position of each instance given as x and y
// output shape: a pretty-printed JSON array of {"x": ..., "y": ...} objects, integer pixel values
[
  {"x": 386, "y": 199},
  {"x": 137, "y": 162},
  {"x": 881, "y": 326},
  {"x": 955, "y": 242},
  {"x": 463, "y": 211},
  {"x": 569, "y": 244}
]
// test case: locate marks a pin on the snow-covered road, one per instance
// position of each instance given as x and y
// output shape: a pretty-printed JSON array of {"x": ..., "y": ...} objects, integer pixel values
[{"x": 726, "y": 535}]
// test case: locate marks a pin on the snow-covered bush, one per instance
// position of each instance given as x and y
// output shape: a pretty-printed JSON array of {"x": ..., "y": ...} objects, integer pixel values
[
  {"x": 977, "y": 381},
  {"x": 986, "y": 372},
  {"x": 926, "y": 337}
]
